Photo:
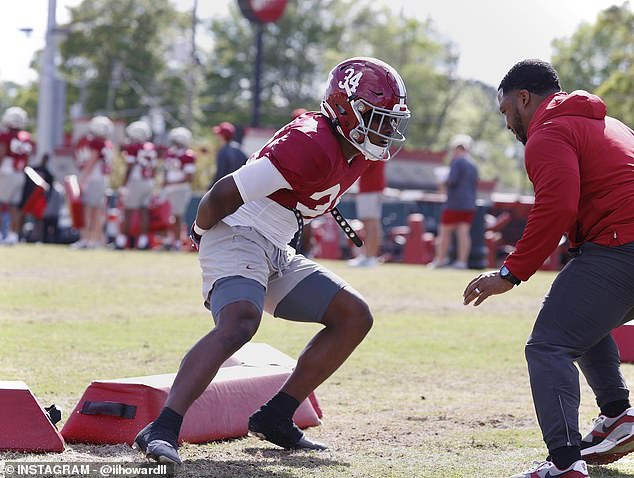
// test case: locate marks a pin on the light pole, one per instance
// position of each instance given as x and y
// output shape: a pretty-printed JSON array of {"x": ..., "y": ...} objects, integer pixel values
[
  {"x": 191, "y": 80},
  {"x": 47, "y": 78},
  {"x": 259, "y": 12}
]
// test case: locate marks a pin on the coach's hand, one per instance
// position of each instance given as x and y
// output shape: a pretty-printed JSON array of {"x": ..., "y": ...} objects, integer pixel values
[{"x": 485, "y": 285}]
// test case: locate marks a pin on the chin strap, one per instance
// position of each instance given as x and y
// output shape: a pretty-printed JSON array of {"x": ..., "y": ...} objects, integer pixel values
[
  {"x": 347, "y": 228},
  {"x": 343, "y": 224}
]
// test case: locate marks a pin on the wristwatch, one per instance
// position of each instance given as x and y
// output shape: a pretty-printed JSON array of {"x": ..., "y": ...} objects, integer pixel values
[{"x": 505, "y": 274}]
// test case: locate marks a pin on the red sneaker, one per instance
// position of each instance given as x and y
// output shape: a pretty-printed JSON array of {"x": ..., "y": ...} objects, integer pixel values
[
  {"x": 609, "y": 439},
  {"x": 547, "y": 469}
]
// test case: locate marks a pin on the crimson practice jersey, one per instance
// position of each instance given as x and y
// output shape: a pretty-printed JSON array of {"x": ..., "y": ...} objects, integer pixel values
[
  {"x": 307, "y": 154},
  {"x": 103, "y": 147},
  {"x": 18, "y": 147},
  {"x": 142, "y": 158},
  {"x": 179, "y": 162}
]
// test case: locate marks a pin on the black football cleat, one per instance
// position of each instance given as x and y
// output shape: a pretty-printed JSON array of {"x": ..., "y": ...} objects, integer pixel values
[
  {"x": 155, "y": 448},
  {"x": 281, "y": 432}
]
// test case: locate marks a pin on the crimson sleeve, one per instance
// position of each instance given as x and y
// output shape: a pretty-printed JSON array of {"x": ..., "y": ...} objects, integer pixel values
[{"x": 553, "y": 168}]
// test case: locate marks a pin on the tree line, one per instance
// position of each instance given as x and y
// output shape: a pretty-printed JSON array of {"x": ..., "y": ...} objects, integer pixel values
[{"x": 129, "y": 58}]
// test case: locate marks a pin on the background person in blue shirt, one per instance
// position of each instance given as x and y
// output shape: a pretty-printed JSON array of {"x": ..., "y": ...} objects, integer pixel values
[
  {"x": 460, "y": 208},
  {"x": 230, "y": 156}
]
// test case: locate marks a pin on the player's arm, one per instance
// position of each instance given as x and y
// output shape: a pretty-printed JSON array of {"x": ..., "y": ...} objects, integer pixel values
[{"x": 252, "y": 181}]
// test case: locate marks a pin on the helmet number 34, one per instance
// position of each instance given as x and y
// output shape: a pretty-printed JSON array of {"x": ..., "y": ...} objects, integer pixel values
[{"x": 350, "y": 82}]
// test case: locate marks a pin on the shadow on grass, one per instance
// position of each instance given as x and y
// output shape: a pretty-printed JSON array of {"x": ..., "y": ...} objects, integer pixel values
[{"x": 299, "y": 463}]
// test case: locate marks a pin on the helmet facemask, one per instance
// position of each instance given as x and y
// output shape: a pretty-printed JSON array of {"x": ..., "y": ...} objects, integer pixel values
[{"x": 385, "y": 127}]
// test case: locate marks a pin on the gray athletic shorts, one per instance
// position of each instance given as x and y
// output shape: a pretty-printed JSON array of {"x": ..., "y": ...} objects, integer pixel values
[
  {"x": 179, "y": 197},
  {"x": 94, "y": 193},
  {"x": 139, "y": 193},
  {"x": 11, "y": 186},
  {"x": 369, "y": 205},
  {"x": 239, "y": 264}
]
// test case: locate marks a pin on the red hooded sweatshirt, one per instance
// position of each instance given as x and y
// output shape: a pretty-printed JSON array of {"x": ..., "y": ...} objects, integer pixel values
[{"x": 581, "y": 164}]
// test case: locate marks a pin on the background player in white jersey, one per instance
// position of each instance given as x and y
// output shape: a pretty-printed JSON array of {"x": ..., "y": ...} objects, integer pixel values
[
  {"x": 16, "y": 148},
  {"x": 244, "y": 224},
  {"x": 180, "y": 166},
  {"x": 141, "y": 160},
  {"x": 93, "y": 154}
]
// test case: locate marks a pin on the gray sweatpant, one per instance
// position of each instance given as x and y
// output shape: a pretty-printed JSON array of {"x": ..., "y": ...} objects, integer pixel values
[{"x": 593, "y": 294}]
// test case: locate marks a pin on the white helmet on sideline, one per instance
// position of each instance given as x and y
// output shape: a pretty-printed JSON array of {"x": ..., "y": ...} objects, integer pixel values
[
  {"x": 180, "y": 136},
  {"x": 101, "y": 126},
  {"x": 139, "y": 131},
  {"x": 14, "y": 118}
]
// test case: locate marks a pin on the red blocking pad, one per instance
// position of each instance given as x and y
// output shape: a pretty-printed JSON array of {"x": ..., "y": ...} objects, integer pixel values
[
  {"x": 73, "y": 199},
  {"x": 624, "y": 338},
  {"x": 24, "y": 425},
  {"x": 113, "y": 411},
  {"x": 257, "y": 354}
]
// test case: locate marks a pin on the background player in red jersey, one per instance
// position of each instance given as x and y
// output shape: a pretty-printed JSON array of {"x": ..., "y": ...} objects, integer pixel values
[
  {"x": 180, "y": 166},
  {"x": 93, "y": 154},
  {"x": 243, "y": 226},
  {"x": 141, "y": 159},
  {"x": 369, "y": 202},
  {"x": 16, "y": 148}
]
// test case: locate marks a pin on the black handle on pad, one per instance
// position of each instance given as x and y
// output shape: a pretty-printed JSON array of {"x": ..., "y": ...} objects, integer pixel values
[{"x": 113, "y": 409}]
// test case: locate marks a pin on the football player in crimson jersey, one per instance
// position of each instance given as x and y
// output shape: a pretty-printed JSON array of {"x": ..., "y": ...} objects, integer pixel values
[
  {"x": 180, "y": 166},
  {"x": 243, "y": 225},
  {"x": 93, "y": 154},
  {"x": 16, "y": 147},
  {"x": 140, "y": 158}
]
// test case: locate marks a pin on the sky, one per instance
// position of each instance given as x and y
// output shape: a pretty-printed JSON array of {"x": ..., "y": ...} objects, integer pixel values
[{"x": 490, "y": 35}]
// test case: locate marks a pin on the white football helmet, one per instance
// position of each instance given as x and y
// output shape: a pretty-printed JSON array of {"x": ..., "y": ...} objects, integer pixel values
[
  {"x": 139, "y": 131},
  {"x": 14, "y": 118},
  {"x": 101, "y": 126},
  {"x": 180, "y": 136}
]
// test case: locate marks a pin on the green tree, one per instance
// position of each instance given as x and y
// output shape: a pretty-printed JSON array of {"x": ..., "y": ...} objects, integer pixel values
[
  {"x": 599, "y": 58},
  {"x": 292, "y": 70},
  {"x": 442, "y": 104},
  {"x": 119, "y": 51}
]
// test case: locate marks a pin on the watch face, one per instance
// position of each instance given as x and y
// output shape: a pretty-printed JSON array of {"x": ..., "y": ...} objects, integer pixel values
[{"x": 504, "y": 271}]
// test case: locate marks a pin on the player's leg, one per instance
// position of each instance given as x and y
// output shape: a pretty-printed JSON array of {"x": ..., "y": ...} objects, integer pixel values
[
  {"x": 577, "y": 314},
  {"x": 463, "y": 242},
  {"x": 236, "y": 322},
  {"x": 445, "y": 232},
  {"x": 236, "y": 303},
  {"x": 310, "y": 293},
  {"x": 347, "y": 321},
  {"x": 15, "y": 187},
  {"x": 369, "y": 208},
  {"x": 147, "y": 187}
]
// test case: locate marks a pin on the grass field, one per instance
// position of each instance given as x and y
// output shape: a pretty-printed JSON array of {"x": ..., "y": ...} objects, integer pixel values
[{"x": 436, "y": 390}]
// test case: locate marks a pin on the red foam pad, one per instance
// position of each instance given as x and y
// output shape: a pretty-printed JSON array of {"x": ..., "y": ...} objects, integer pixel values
[
  {"x": 257, "y": 354},
  {"x": 624, "y": 338},
  {"x": 222, "y": 411},
  {"x": 73, "y": 197},
  {"x": 24, "y": 425}
]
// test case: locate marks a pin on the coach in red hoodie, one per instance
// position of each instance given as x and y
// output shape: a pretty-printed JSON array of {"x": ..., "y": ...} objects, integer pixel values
[{"x": 581, "y": 164}]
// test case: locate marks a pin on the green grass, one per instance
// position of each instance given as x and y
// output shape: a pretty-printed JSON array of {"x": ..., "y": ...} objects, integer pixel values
[{"x": 436, "y": 390}]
